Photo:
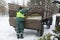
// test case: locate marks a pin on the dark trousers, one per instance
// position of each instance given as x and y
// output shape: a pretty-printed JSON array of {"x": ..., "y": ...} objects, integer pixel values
[{"x": 19, "y": 25}]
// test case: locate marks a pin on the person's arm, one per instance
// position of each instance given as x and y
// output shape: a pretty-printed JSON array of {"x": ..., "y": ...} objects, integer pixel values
[{"x": 24, "y": 11}]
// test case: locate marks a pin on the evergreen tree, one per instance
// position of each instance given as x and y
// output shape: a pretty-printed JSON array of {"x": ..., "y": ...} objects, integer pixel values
[{"x": 46, "y": 37}]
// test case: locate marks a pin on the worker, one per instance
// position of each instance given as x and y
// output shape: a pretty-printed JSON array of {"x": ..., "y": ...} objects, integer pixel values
[{"x": 20, "y": 16}]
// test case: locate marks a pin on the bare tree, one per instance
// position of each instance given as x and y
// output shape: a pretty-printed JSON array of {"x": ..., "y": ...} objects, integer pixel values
[
  {"x": 2, "y": 7},
  {"x": 2, "y": 3}
]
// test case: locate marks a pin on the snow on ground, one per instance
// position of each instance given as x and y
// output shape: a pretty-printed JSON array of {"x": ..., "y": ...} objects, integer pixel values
[
  {"x": 7, "y": 32},
  {"x": 52, "y": 27}
]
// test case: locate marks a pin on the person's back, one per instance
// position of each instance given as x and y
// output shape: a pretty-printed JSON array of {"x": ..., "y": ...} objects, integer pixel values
[{"x": 20, "y": 15}]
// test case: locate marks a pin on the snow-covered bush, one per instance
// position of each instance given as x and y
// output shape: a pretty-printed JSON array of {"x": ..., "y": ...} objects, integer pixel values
[
  {"x": 46, "y": 37},
  {"x": 57, "y": 29}
]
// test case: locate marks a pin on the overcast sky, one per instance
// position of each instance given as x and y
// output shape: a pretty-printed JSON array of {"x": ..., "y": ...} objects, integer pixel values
[
  {"x": 20, "y": 2},
  {"x": 58, "y": 0}
]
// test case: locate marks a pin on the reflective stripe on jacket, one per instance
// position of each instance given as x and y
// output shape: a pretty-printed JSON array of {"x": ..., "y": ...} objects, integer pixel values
[{"x": 19, "y": 14}]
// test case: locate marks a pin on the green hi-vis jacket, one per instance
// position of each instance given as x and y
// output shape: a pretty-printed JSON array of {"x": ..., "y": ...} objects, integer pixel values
[{"x": 22, "y": 12}]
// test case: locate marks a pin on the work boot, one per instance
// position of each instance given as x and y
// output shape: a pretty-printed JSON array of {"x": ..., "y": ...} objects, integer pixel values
[
  {"x": 22, "y": 36},
  {"x": 18, "y": 36}
]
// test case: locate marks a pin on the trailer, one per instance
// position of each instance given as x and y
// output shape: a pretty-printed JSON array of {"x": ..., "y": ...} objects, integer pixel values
[{"x": 31, "y": 22}]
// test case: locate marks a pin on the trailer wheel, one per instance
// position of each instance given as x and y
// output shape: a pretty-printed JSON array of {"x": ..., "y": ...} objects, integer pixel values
[
  {"x": 48, "y": 26},
  {"x": 49, "y": 22},
  {"x": 14, "y": 27},
  {"x": 57, "y": 23},
  {"x": 40, "y": 32}
]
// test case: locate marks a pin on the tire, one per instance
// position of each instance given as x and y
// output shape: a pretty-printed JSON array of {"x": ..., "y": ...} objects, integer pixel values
[
  {"x": 57, "y": 23},
  {"x": 49, "y": 22},
  {"x": 48, "y": 26},
  {"x": 40, "y": 32},
  {"x": 15, "y": 28}
]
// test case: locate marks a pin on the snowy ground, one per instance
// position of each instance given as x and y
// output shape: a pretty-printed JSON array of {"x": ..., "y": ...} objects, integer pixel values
[{"x": 7, "y": 32}]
